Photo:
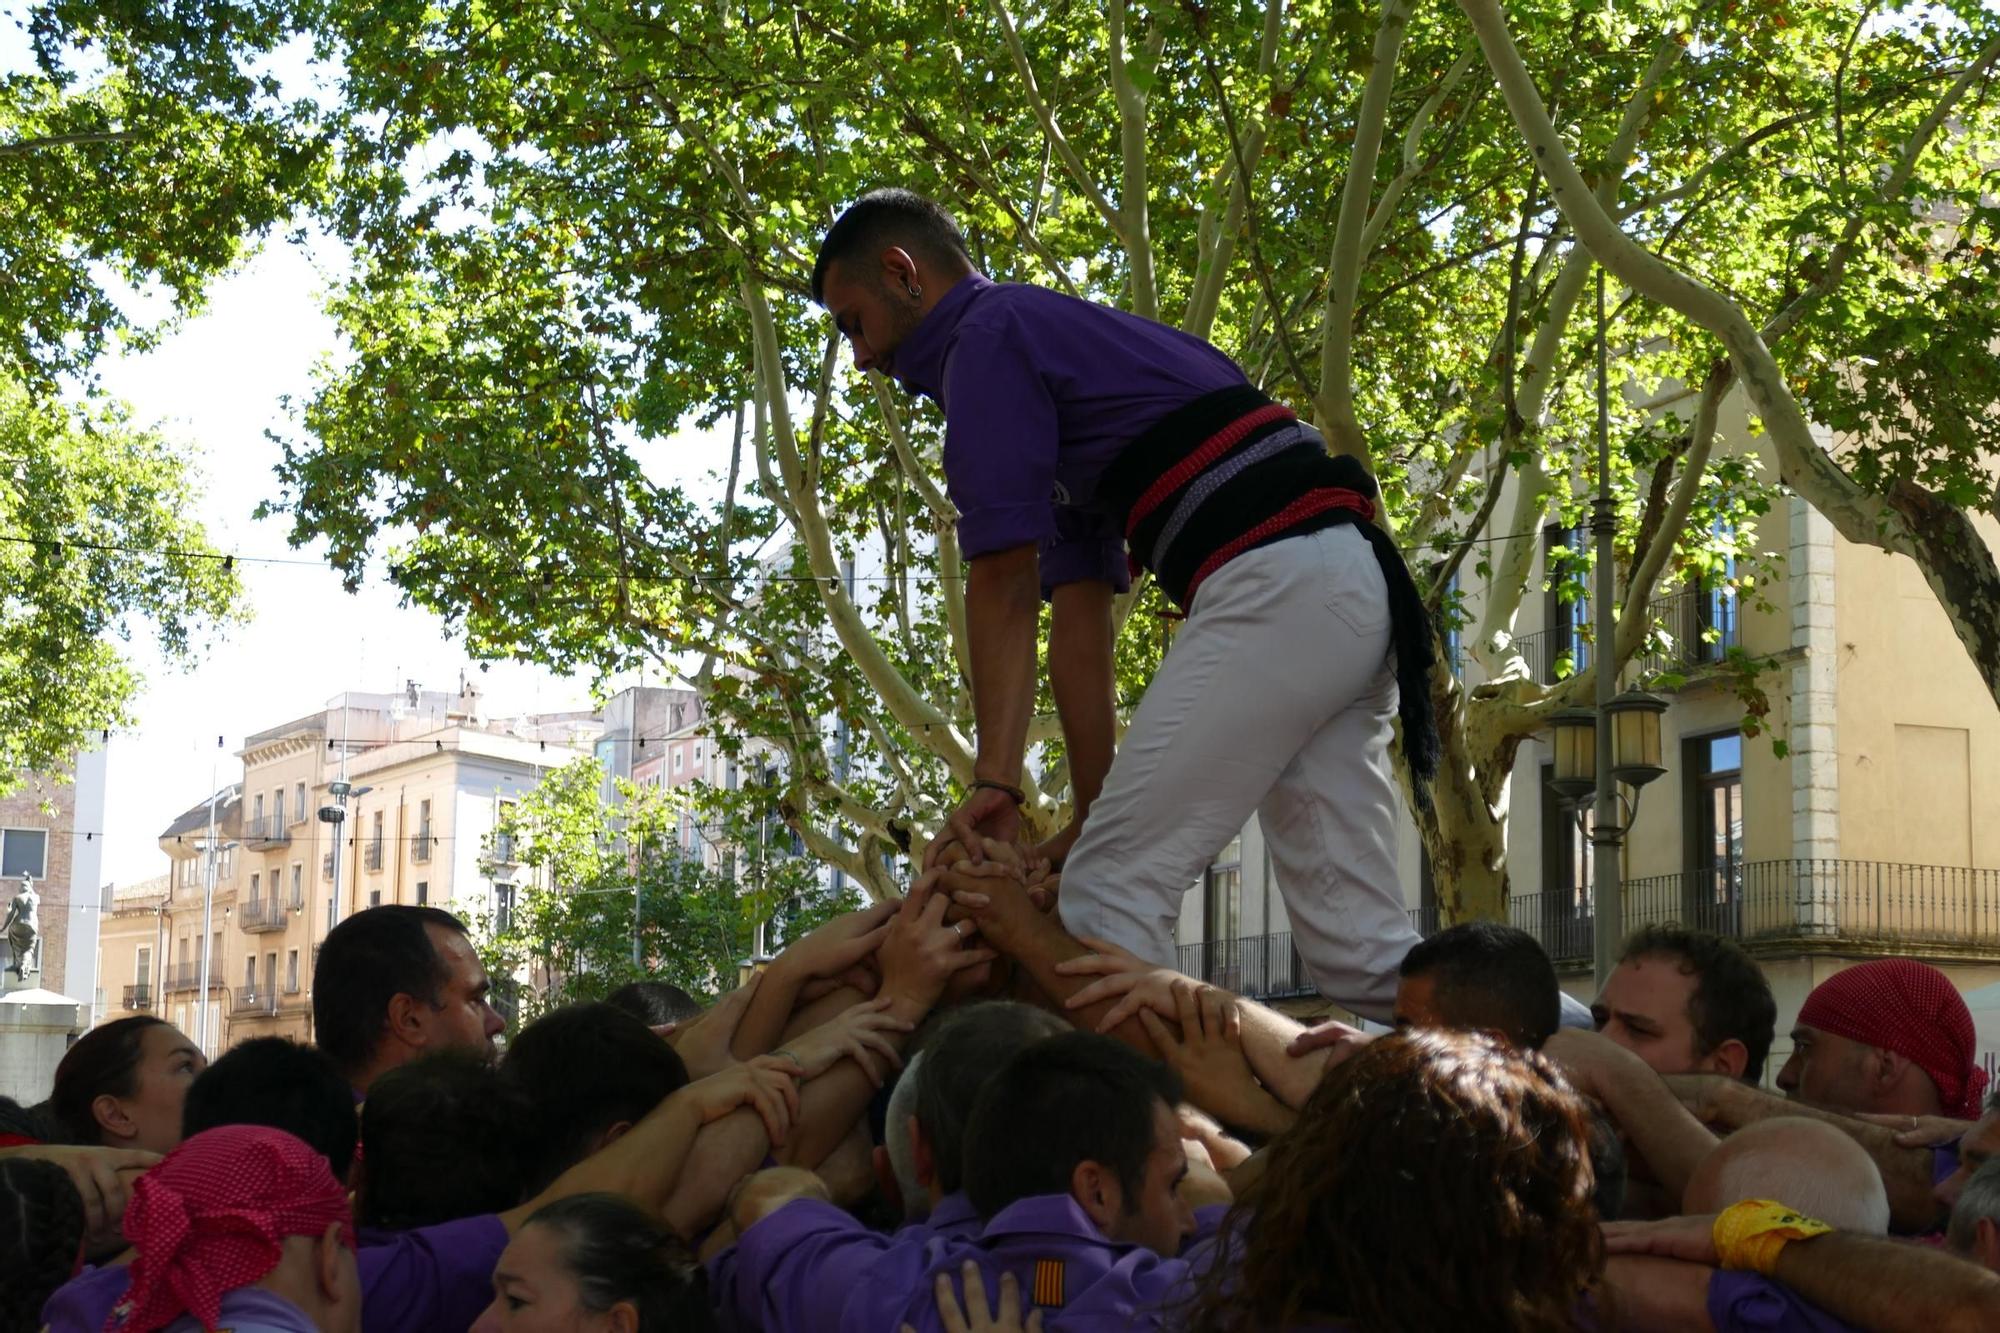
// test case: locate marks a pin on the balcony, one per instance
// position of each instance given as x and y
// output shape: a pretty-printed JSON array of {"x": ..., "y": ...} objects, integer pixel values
[
  {"x": 187, "y": 976},
  {"x": 420, "y": 846},
  {"x": 1881, "y": 905},
  {"x": 262, "y": 914},
  {"x": 252, "y": 1000},
  {"x": 1263, "y": 967},
  {"x": 265, "y": 832},
  {"x": 371, "y": 856},
  {"x": 139, "y": 998},
  {"x": 1695, "y": 627}
]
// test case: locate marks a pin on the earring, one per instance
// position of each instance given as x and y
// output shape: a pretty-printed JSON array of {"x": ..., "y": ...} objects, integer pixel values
[{"x": 916, "y": 292}]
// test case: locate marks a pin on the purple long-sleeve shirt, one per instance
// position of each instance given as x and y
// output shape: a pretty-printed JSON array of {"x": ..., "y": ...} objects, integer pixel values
[
  {"x": 1041, "y": 391},
  {"x": 793, "y": 1264},
  {"x": 418, "y": 1282}
]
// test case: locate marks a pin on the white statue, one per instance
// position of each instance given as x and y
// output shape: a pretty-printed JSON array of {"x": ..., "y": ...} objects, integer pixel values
[{"x": 23, "y": 929}]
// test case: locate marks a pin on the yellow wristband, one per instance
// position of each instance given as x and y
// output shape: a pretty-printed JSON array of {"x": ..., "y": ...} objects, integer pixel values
[{"x": 1750, "y": 1234}]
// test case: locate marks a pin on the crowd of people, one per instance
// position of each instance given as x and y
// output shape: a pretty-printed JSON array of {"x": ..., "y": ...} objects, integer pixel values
[{"x": 947, "y": 1114}]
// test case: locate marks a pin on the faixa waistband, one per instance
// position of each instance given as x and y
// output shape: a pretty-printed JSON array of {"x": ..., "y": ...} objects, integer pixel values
[{"x": 1228, "y": 472}]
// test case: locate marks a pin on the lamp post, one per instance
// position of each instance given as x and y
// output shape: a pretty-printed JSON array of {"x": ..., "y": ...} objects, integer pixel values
[{"x": 1593, "y": 760}]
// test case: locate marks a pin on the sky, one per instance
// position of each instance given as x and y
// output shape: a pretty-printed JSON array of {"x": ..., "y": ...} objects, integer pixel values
[{"x": 215, "y": 384}]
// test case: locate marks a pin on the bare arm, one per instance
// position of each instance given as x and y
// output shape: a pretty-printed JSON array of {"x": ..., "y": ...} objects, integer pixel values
[
  {"x": 1906, "y": 1171},
  {"x": 1003, "y": 607},
  {"x": 1660, "y": 1129},
  {"x": 1652, "y": 1294},
  {"x": 1889, "y": 1286},
  {"x": 1083, "y": 681}
]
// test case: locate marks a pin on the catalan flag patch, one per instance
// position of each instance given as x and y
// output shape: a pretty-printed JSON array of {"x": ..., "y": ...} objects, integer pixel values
[{"x": 1049, "y": 1282}]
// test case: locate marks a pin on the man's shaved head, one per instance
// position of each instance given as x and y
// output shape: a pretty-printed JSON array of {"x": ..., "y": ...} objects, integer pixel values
[{"x": 1807, "y": 1165}]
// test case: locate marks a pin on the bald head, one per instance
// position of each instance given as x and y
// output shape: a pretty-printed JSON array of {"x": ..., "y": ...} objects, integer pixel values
[{"x": 1806, "y": 1165}]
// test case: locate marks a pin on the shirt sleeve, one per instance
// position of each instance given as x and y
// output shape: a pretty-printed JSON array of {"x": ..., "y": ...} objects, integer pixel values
[
  {"x": 431, "y": 1278},
  {"x": 790, "y": 1265},
  {"x": 999, "y": 443},
  {"x": 1742, "y": 1302},
  {"x": 1086, "y": 548}
]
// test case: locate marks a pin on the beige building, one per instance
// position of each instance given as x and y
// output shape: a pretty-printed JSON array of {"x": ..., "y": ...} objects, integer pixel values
[
  {"x": 1876, "y": 832},
  {"x": 51, "y": 831},
  {"x": 428, "y": 778}
]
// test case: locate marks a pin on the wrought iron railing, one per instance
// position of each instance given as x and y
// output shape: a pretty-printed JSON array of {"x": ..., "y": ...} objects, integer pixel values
[
  {"x": 256, "y": 1000},
  {"x": 266, "y": 831},
  {"x": 1878, "y": 904},
  {"x": 1693, "y": 627},
  {"x": 138, "y": 998},
  {"x": 420, "y": 846},
  {"x": 371, "y": 856},
  {"x": 261, "y": 914},
  {"x": 1264, "y": 967}
]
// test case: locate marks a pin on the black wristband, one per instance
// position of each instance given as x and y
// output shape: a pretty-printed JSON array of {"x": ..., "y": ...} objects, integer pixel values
[{"x": 1020, "y": 797}]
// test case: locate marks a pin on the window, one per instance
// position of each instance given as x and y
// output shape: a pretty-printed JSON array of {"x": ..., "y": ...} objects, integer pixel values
[
  {"x": 374, "y": 897},
  {"x": 420, "y": 845},
  {"x": 298, "y": 885},
  {"x": 503, "y": 906},
  {"x": 299, "y": 801},
  {"x": 697, "y": 752},
  {"x": 423, "y": 893},
  {"x": 1567, "y": 874},
  {"x": 1222, "y": 919},
  {"x": 329, "y": 908},
  {"x": 423, "y": 819},
  {"x": 278, "y": 810},
  {"x": 225, "y": 862},
  {"x": 250, "y": 974},
  {"x": 1715, "y": 602},
  {"x": 24, "y": 851},
  {"x": 292, "y": 972},
  {"x": 142, "y": 968},
  {"x": 215, "y": 952},
  {"x": 255, "y": 891},
  {"x": 271, "y": 973},
  {"x": 1713, "y": 798},
  {"x": 1567, "y": 563},
  {"x": 377, "y": 833},
  {"x": 257, "y": 811},
  {"x": 679, "y": 755}
]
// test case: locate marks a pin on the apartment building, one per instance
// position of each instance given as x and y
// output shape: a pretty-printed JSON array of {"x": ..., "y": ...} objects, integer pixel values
[
  {"x": 428, "y": 778},
  {"x": 1876, "y": 831},
  {"x": 51, "y": 828}
]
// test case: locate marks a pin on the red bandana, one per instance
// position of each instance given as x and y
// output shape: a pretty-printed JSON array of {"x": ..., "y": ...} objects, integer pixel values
[
  {"x": 213, "y": 1216},
  {"x": 1910, "y": 1008}
]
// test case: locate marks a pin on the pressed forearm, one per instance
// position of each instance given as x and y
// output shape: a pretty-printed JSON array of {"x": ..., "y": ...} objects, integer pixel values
[
  {"x": 830, "y": 1104},
  {"x": 1890, "y": 1286},
  {"x": 1085, "y": 686},
  {"x": 1652, "y": 1294},
  {"x": 644, "y": 1165},
  {"x": 1906, "y": 1172},
  {"x": 1003, "y": 607},
  {"x": 1266, "y": 1036},
  {"x": 725, "y": 1152},
  {"x": 828, "y": 1006},
  {"x": 1662, "y": 1131},
  {"x": 770, "y": 1010},
  {"x": 1036, "y": 948}
]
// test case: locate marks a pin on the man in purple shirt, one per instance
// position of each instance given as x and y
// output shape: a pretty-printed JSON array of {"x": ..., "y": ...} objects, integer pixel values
[
  {"x": 958, "y": 1057},
  {"x": 1073, "y": 1160},
  {"x": 1082, "y": 443}
]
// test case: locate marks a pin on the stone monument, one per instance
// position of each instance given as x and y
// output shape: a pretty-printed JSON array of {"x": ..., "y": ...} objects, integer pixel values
[{"x": 36, "y": 1025}]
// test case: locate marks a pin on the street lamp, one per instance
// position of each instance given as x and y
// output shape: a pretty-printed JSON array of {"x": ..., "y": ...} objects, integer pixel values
[
  {"x": 336, "y": 815},
  {"x": 1633, "y": 747}
]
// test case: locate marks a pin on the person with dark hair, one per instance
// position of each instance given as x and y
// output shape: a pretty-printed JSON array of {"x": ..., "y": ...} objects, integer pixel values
[
  {"x": 594, "y": 1262},
  {"x": 123, "y": 1084},
  {"x": 962, "y": 1054},
  {"x": 42, "y": 1227},
  {"x": 1480, "y": 976},
  {"x": 1435, "y": 1180},
  {"x": 276, "y": 1082},
  {"x": 394, "y": 983},
  {"x": 588, "y": 1073},
  {"x": 1073, "y": 1158},
  {"x": 445, "y": 1137},
  {"x": 1081, "y": 444},
  {"x": 1689, "y": 1002},
  {"x": 440, "y": 1277},
  {"x": 655, "y": 1003}
]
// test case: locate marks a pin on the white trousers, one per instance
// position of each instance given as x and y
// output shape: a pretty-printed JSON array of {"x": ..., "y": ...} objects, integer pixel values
[{"x": 1276, "y": 697}]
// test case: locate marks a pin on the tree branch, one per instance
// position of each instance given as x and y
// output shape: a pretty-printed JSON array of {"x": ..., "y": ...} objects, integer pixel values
[
  {"x": 1071, "y": 161},
  {"x": 1333, "y": 405},
  {"x": 1213, "y": 273},
  {"x": 22, "y": 147},
  {"x": 1132, "y": 203},
  {"x": 1385, "y": 208}
]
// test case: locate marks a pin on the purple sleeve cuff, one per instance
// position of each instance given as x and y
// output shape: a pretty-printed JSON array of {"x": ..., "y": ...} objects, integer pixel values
[
  {"x": 984, "y": 529},
  {"x": 1743, "y": 1302},
  {"x": 1089, "y": 560}
]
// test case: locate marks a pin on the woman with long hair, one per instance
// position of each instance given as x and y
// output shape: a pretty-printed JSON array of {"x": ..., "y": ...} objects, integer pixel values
[{"x": 1435, "y": 1180}]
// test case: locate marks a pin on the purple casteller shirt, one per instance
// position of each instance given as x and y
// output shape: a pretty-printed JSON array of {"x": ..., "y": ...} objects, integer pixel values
[
  {"x": 422, "y": 1281},
  {"x": 1106, "y": 1286},
  {"x": 250, "y": 1310},
  {"x": 788, "y": 1276},
  {"x": 1041, "y": 391},
  {"x": 1742, "y": 1302}
]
